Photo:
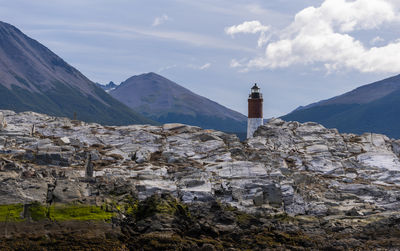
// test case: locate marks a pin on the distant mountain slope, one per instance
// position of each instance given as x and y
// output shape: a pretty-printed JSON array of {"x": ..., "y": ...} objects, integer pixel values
[
  {"x": 369, "y": 108},
  {"x": 165, "y": 101},
  {"x": 34, "y": 78}
]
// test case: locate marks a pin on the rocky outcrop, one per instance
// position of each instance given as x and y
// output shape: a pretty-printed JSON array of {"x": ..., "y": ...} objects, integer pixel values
[{"x": 289, "y": 177}]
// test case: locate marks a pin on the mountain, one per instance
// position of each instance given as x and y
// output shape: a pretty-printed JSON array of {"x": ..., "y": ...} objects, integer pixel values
[
  {"x": 370, "y": 108},
  {"x": 165, "y": 101},
  {"x": 34, "y": 78},
  {"x": 108, "y": 87}
]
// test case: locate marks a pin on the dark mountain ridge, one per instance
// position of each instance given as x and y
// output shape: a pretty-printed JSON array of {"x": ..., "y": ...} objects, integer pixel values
[
  {"x": 370, "y": 108},
  {"x": 165, "y": 101},
  {"x": 34, "y": 78}
]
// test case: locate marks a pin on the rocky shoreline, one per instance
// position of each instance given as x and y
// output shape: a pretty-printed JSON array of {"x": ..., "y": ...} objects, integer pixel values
[{"x": 68, "y": 185}]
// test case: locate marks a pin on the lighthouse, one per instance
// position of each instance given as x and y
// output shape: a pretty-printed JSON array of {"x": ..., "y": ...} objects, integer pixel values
[{"x": 255, "y": 117}]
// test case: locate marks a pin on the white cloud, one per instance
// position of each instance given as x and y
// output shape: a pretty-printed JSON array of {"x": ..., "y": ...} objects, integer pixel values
[
  {"x": 205, "y": 66},
  {"x": 199, "y": 67},
  {"x": 235, "y": 64},
  {"x": 376, "y": 40},
  {"x": 166, "y": 68},
  {"x": 246, "y": 27},
  {"x": 133, "y": 32},
  {"x": 352, "y": 15},
  {"x": 250, "y": 27},
  {"x": 234, "y": 8},
  {"x": 189, "y": 66},
  {"x": 323, "y": 35},
  {"x": 263, "y": 39},
  {"x": 256, "y": 9},
  {"x": 160, "y": 20}
]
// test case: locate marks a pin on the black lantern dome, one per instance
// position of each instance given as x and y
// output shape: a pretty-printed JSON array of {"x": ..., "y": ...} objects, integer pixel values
[{"x": 255, "y": 92}]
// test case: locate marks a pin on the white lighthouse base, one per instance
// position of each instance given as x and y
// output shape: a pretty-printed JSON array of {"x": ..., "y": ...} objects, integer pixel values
[{"x": 252, "y": 125}]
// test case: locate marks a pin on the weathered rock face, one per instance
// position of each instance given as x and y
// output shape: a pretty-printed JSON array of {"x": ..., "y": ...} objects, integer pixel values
[
  {"x": 332, "y": 172},
  {"x": 290, "y": 167},
  {"x": 303, "y": 170},
  {"x": 3, "y": 122}
]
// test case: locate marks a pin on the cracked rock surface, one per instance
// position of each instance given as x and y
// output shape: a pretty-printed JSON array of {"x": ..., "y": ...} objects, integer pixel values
[{"x": 300, "y": 170}]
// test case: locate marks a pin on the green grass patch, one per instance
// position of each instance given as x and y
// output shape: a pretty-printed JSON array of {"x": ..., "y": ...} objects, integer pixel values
[
  {"x": 61, "y": 212},
  {"x": 38, "y": 211},
  {"x": 78, "y": 212},
  {"x": 11, "y": 212}
]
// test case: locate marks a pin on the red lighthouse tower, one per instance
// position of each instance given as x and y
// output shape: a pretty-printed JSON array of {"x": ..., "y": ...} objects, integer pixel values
[{"x": 255, "y": 115}]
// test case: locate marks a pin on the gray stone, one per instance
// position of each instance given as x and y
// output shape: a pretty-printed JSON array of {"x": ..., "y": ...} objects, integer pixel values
[
  {"x": 194, "y": 183},
  {"x": 64, "y": 141},
  {"x": 173, "y": 126},
  {"x": 53, "y": 158},
  {"x": 273, "y": 195},
  {"x": 3, "y": 122},
  {"x": 258, "y": 199},
  {"x": 353, "y": 212},
  {"x": 142, "y": 156},
  {"x": 67, "y": 190}
]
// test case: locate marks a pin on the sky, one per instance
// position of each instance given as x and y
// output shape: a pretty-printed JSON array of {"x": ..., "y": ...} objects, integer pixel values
[{"x": 299, "y": 52}]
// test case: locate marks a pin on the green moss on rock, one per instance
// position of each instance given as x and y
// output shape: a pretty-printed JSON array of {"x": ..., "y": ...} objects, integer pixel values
[
  {"x": 38, "y": 212},
  {"x": 58, "y": 212},
  {"x": 164, "y": 204},
  {"x": 11, "y": 212},
  {"x": 78, "y": 212}
]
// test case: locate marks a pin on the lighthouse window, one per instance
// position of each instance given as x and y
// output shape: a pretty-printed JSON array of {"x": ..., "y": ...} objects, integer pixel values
[
  {"x": 255, "y": 89},
  {"x": 255, "y": 92}
]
